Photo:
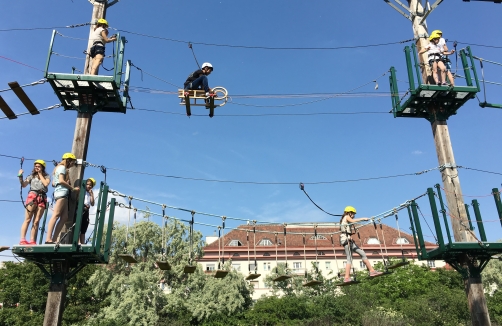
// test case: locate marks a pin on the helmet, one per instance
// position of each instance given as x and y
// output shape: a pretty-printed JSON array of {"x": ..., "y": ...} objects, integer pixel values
[
  {"x": 433, "y": 36},
  {"x": 41, "y": 162},
  {"x": 437, "y": 31},
  {"x": 93, "y": 181},
  {"x": 102, "y": 21},
  {"x": 69, "y": 156},
  {"x": 350, "y": 209},
  {"x": 207, "y": 64}
]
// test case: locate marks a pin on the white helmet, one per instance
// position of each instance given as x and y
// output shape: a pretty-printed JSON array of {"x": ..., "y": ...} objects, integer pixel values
[{"x": 207, "y": 64}]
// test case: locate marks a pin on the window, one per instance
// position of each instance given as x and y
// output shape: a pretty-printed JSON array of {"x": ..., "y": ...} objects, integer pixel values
[
  {"x": 315, "y": 264},
  {"x": 296, "y": 253},
  {"x": 210, "y": 267},
  {"x": 375, "y": 252},
  {"x": 431, "y": 263},
  {"x": 254, "y": 284},
  {"x": 321, "y": 253},
  {"x": 265, "y": 242},
  {"x": 328, "y": 265},
  {"x": 266, "y": 266},
  {"x": 373, "y": 241},
  {"x": 405, "y": 252},
  {"x": 319, "y": 237},
  {"x": 362, "y": 265},
  {"x": 297, "y": 266},
  {"x": 235, "y": 243},
  {"x": 344, "y": 264},
  {"x": 402, "y": 241},
  {"x": 236, "y": 267},
  {"x": 266, "y": 254},
  {"x": 252, "y": 266},
  {"x": 236, "y": 255}
]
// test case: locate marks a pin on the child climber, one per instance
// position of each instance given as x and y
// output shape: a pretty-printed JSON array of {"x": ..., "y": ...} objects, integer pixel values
[
  {"x": 346, "y": 223},
  {"x": 88, "y": 202},
  {"x": 37, "y": 200}
]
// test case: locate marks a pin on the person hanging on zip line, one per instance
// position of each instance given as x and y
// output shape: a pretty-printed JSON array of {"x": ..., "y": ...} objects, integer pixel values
[
  {"x": 346, "y": 231},
  {"x": 99, "y": 37},
  {"x": 198, "y": 79},
  {"x": 63, "y": 188},
  {"x": 446, "y": 53},
  {"x": 37, "y": 200},
  {"x": 88, "y": 202}
]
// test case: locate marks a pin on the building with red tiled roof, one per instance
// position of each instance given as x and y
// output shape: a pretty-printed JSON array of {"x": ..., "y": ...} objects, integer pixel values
[{"x": 298, "y": 245}]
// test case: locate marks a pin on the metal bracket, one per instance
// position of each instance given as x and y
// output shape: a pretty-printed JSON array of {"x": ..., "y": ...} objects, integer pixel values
[
  {"x": 433, "y": 7},
  {"x": 399, "y": 10},
  {"x": 447, "y": 166}
]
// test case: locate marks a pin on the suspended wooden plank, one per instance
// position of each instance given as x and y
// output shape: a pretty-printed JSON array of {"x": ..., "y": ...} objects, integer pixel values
[
  {"x": 128, "y": 258},
  {"x": 220, "y": 274},
  {"x": 189, "y": 269},
  {"x": 163, "y": 265},
  {"x": 381, "y": 274},
  {"x": 312, "y": 283},
  {"x": 400, "y": 264},
  {"x": 252, "y": 276},
  {"x": 3, "y": 248},
  {"x": 23, "y": 97},
  {"x": 6, "y": 109},
  {"x": 347, "y": 283},
  {"x": 281, "y": 278}
]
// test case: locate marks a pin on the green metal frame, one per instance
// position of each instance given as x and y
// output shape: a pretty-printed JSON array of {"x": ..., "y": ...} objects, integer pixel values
[
  {"x": 432, "y": 102},
  {"x": 90, "y": 93},
  {"x": 66, "y": 260},
  {"x": 468, "y": 258}
]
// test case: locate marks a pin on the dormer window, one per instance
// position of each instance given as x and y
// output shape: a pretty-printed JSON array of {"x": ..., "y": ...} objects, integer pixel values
[
  {"x": 373, "y": 241},
  {"x": 265, "y": 242},
  {"x": 235, "y": 243},
  {"x": 402, "y": 241}
]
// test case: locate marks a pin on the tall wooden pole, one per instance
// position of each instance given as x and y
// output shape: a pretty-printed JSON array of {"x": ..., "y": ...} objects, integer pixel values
[
  {"x": 451, "y": 184},
  {"x": 57, "y": 290}
]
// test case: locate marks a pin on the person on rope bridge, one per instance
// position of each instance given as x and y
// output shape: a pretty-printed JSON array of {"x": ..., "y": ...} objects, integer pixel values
[
  {"x": 346, "y": 231},
  {"x": 198, "y": 79},
  {"x": 88, "y": 202},
  {"x": 37, "y": 200},
  {"x": 61, "y": 183},
  {"x": 435, "y": 54},
  {"x": 446, "y": 53},
  {"x": 99, "y": 37}
]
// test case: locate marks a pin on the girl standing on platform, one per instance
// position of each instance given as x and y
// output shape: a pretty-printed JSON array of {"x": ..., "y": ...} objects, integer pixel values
[
  {"x": 61, "y": 183},
  {"x": 88, "y": 202},
  {"x": 349, "y": 245},
  {"x": 100, "y": 38},
  {"x": 36, "y": 202}
]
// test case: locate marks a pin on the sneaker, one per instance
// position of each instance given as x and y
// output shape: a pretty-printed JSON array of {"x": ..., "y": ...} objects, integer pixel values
[
  {"x": 445, "y": 84},
  {"x": 375, "y": 273},
  {"x": 31, "y": 243},
  {"x": 23, "y": 242},
  {"x": 347, "y": 280}
]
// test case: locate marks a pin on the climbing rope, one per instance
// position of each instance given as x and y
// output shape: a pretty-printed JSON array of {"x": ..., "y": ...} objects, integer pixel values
[{"x": 302, "y": 187}]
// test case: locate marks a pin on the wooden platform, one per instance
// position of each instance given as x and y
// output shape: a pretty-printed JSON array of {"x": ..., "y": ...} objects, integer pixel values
[
  {"x": 46, "y": 253},
  {"x": 281, "y": 278},
  {"x": 347, "y": 283},
  {"x": 312, "y": 283},
  {"x": 163, "y": 265},
  {"x": 128, "y": 258},
  {"x": 189, "y": 269},
  {"x": 220, "y": 273},
  {"x": 379, "y": 275},
  {"x": 252, "y": 276},
  {"x": 3, "y": 248}
]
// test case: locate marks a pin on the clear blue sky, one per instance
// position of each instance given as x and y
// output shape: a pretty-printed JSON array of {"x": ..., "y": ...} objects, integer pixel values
[{"x": 265, "y": 148}]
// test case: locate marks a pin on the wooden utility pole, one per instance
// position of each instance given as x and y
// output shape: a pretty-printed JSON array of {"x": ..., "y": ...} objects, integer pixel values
[
  {"x": 451, "y": 182},
  {"x": 57, "y": 289}
]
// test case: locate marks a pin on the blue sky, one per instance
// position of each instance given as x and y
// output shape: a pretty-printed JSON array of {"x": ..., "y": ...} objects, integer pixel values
[{"x": 234, "y": 145}]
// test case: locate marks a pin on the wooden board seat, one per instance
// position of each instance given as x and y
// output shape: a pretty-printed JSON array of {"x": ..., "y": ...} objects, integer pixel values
[
  {"x": 252, "y": 276},
  {"x": 347, "y": 283},
  {"x": 312, "y": 283},
  {"x": 3, "y": 248},
  {"x": 128, "y": 258},
  {"x": 220, "y": 273},
  {"x": 163, "y": 265},
  {"x": 189, "y": 269},
  {"x": 281, "y": 278},
  {"x": 378, "y": 275}
]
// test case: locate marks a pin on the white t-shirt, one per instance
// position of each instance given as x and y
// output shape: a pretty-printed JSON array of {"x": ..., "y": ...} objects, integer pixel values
[{"x": 96, "y": 35}]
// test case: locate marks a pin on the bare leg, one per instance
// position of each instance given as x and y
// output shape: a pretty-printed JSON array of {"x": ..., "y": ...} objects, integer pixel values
[
  {"x": 34, "y": 228},
  {"x": 347, "y": 270},
  {"x": 442, "y": 69},
  {"x": 435, "y": 72},
  {"x": 450, "y": 77},
  {"x": 62, "y": 219},
  {"x": 58, "y": 207},
  {"x": 28, "y": 215},
  {"x": 368, "y": 265},
  {"x": 96, "y": 61},
  {"x": 82, "y": 239}
]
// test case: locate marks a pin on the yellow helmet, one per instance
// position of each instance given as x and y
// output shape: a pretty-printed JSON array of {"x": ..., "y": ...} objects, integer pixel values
[
  {"x": 349, "y": 209},
  {"x": 69, "y": 156},
  {"x": 434, "y": 35},
  {"x": 93, "y": 181},
  {"x": 102, "y": 21},
  {"x": 41, "y": 162},
  {"x": 437, "y": 31}
]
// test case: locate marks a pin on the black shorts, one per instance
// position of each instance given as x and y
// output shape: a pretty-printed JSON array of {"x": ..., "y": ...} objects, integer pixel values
[
  {"x": 85, "y": 222},
  {"x": 97, "y": 48}
]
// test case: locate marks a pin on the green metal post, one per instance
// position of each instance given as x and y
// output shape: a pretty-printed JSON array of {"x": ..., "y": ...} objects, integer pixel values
[
  {"x": 473, "y": 66},
  {"x": 119, "y": 62},
  {"x": 111, "y": 214},
  {"x": 50, "y": 53},
  {"x": 443, "y": 211},
  {"x": 101, "y": 186},
  {"x": 126, "y": 83},
  {"x": 413, "y": 230},
  {"x": 396, "y": 106},
  {"x": 467, "y": 71},
  {"x": 498, "y": 203},
  {"x": 101, "y": 222},
  {"x": 435, "y": 217},
  {"x": 469, "y": 217},
  {"x": 409, "y": 64},
  {"x": 78, "y": 216},
  {"x": 42, "y": 228},
  {"x": 477, "y": 213},
  {"x": 417, "y": 64},
  {"x": 419, "y": 229}
]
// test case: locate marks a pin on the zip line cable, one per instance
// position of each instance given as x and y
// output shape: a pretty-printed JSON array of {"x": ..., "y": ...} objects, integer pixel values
[
  {"x": 38, "y": 82},
  {"x": 42, "y": 28},
  {"x": 45, "y": 109},
  {"x": 302, "y": 187},
  {"x": 20, "y": 63}
]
